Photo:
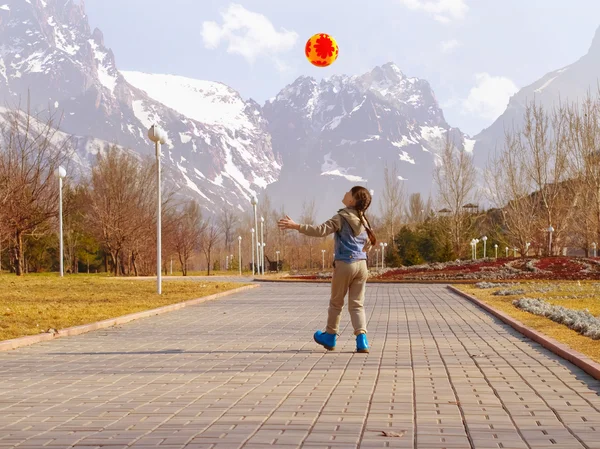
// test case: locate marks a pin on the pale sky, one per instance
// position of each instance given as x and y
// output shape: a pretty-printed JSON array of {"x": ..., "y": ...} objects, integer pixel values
[{"x": 474, "y": 53}]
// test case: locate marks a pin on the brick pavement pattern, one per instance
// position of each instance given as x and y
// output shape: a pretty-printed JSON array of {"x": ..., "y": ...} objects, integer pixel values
[{"x": 243, "y": 372}]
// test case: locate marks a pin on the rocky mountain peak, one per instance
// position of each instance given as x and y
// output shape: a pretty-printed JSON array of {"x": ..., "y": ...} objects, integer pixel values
[{"x": 595, "y": 47}]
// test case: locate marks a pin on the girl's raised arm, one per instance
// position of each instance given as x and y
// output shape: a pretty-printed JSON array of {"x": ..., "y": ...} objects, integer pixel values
[{"x": 323, "y": 230}]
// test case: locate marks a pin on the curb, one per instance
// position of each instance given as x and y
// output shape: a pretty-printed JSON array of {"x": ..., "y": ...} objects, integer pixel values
[
  {"x": 576, "y": 358},
  {"x": 15, "y": 343}
]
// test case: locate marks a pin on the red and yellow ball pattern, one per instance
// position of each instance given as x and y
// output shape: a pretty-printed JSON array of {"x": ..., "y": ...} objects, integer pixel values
[{"x": 321, "y": 50}]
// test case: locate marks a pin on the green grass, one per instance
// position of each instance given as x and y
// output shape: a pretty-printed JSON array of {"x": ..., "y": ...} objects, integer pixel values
[
  {"x": 35, "y": 303},
  {"x": 587, "y": 295}
]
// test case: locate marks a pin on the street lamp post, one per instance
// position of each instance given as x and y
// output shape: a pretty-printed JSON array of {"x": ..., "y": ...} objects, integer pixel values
[
  {"x": 159, "y": 137},
  {"x": 473, "y": 249},
  {"x": 550, "y": 231},
  {"x": 240, "y": 253},
  {"x": 507, "y": 252},
  {"x": 484, "y": 238},
  {"x": 594, "y": 248},
  {"x": 527, "y": 245},
  {"x": 60, "y": 173},
  {"x": 231, "y": 261},
  {"x": 253, "y": 249},
  {"x": 277, "y": 253},
  {"x": 496, "y": 248},
  {"x": 323, "y": 254},
  {"x": 262, "y": 244},
  {"x": 254, "y": 202},
  {"x": 383, "y": 247},
  {"x": 476, "y": 242}
]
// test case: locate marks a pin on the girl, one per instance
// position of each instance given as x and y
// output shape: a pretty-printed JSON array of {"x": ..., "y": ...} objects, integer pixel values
[{"x": 353, "y": 239}]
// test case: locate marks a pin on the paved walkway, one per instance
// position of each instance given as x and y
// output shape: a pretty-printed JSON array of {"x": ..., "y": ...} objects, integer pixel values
[{"x": 243, "y": 372}]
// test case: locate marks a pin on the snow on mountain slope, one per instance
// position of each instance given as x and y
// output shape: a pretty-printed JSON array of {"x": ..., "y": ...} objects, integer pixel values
[
  {"x": 344, "y": 130},
  {"x": 207, "y": 102},
  {"x": 219, "y": 151}
]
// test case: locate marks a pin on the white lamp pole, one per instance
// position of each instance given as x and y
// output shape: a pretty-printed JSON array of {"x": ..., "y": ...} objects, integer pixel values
[
  {"x": 159, "y": 137},
  {"x": 254, "y": 202},
  {"x": 262, "y": 244},
  {"x": 496, "y": 248},
  {"x": 476, "y": 242},
  {"x": 253, "y": 248},
  {"x": 383, "y": 258},
  {"x": 323, "y": 254},
  {"x": 527, "y": 245},
  {"x": 594, "y": 248},
  {"x": 60, "y": 173},
  {"x": 231, "y": 261},
  {"x": 473, "y": 249},
  {"x": 484, "y": 238},
  {"x": 377, "y": 259},
  {"x": 240, "y": 253},
  {"x": 550, "y": 231},
  {"x": 171, "y": 266},
  {"x": 277, "y": 252},
  {"x": 226, "y": 262}
]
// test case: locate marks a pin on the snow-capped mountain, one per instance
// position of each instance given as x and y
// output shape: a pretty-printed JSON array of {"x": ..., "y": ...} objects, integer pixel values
[
  {"x": 48, "y": 50},
  {"x": 568, "y": 84},
  {"x": 314, "y": 140},
  {"x": 342, "y": 131}
]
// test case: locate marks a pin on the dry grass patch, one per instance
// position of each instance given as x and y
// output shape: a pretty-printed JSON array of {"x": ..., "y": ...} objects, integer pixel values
[
  {"x": 576, "y": 295},
  {"x": 36, "y": 303}
]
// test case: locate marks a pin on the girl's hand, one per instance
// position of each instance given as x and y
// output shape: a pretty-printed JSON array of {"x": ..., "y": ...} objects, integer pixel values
[{"x": 287, "y": 223}]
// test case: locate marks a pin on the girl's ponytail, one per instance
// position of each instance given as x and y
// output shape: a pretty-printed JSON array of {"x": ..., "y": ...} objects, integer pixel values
[{"x": 363, "y": 200}]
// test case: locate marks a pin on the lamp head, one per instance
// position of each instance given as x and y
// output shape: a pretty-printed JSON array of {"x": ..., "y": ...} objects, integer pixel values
[
  {"x": 254, "y": 200},
  {"x": 240, "y": 238},
  {"x": 156, "y": 134},
  {"x": 60, "y": 172}
]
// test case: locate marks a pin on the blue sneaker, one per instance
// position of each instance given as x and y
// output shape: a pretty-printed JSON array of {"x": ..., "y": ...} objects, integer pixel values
[
  {"x": 362, "y": 345},
  {"x": 326, "y": 340}
]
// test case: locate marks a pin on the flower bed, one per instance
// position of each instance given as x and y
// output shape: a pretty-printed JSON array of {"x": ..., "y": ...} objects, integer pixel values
[{"x": 547, "y": 268}]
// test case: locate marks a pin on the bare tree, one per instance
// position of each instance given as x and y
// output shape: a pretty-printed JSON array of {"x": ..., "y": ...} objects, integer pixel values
[
  {"x": 209, "y": 240},
  {"x": 228, "y": 220},
  {"x": 512, "y": 192},
  {"x": 122, "y": 200},
  {"x": 30, "y": 151},
  {"x": 188, "y": 232},
  {"x": 416, "y": 209},
  {"x": 584, "y": 169},
  {"x": 546, "y": 164},
  {"x": 308, "y": 217},
  {"x": 391, "y": 202},
  {"x": 455, "y": 177}
]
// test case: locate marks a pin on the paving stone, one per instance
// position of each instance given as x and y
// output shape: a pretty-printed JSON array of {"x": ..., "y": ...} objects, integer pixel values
[{"x": 243, "y": 372}]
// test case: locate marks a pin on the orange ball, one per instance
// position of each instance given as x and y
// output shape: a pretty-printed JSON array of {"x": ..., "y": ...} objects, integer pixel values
[{"x": 321, "y": 50}]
